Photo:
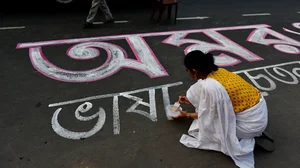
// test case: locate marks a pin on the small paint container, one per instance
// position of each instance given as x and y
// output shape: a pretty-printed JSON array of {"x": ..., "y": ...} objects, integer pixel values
[{"x": 173, "y": 109}]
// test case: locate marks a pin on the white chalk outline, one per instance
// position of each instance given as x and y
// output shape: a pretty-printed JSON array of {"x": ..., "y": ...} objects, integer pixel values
[
  {"x": 264, "y": 67},
  {"x": 291, "y": 31}
]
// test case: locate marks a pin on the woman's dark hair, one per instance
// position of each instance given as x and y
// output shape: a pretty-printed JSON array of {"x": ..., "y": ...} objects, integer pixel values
[{"x": 197, "y": 60}]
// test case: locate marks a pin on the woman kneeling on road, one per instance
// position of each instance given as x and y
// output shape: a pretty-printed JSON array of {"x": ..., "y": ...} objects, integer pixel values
[{"x": 231, "y": 114}]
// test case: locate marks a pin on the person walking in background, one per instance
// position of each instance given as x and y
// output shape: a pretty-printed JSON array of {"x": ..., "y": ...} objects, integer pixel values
[{"x": 93, "y": 11}]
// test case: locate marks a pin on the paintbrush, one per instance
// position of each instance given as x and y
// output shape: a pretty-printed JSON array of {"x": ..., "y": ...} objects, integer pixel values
[{"x": 176, "y": 106}]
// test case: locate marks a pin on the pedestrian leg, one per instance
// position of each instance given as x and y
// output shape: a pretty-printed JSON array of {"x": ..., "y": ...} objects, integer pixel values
[
  {"x": 106, "y": 11},
  {"x": 93, "y": 11}
]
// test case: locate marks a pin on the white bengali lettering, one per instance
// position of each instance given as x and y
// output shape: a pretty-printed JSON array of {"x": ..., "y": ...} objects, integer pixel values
[
  {"x": 264, "y": 82},
  {"x": 253, "y": 79},
  {"x": 87, "y": 106},
  {"x": 83, "y": 108},
  {"x": 139, "y": 101},
  {"x": 279, "y": 74},
  {"x": 277, "y": 71}
]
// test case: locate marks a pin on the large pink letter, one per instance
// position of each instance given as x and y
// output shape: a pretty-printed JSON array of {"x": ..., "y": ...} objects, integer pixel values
[
  {"x": 223, "y": 44},
  {"x": 117, "y": 58},
  {"x": 281, "y": 43}
]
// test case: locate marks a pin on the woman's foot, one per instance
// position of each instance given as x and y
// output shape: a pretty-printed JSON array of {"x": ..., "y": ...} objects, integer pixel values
[
  {"x": 266, "y": 135},
  {"x": 265, "y": 141}
]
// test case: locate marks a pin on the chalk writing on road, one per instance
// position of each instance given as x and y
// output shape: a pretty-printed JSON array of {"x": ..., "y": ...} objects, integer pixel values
[
  {"x": 264, "y": 78},
  {"x": 146, "y": 61},
  {"x": 86, "y": 106},
  {"x": 296, "y": 25}
]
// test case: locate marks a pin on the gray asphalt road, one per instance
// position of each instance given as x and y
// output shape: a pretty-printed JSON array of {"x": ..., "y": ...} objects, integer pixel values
[{"x": 43, "y": 83}]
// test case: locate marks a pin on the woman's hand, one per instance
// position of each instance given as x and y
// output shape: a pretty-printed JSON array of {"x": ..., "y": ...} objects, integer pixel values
[
  {"x": 182, "y": 114},
  {"x": 183, "y": 100}
]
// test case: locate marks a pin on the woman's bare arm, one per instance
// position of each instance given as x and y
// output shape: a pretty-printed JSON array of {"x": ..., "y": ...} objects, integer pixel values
[{"x": 193, "y": 115}]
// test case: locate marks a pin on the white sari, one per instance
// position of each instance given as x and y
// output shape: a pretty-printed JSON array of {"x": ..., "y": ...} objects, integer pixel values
[{"x": 219, "y": 128}]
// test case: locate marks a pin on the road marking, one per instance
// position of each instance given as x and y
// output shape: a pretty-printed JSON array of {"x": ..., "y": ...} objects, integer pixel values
[
  {"x": 256, "y": 14},
  {"x": 193, "y": 18},
  {"x": 120, "y": 21},
  {"x": 12, "y": 28}
]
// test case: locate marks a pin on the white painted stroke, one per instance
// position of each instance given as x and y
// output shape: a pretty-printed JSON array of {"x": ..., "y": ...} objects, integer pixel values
[
  {"x": 265, "y": 94},
  {"x": 12, "y": 28},
  {"x": 116, "y": 115},
  {"x": 268, "y": 78},
  {"x": 112, "y": 94},
  {"x": 193, "y": 18},
  {"x": 152, "y": 105},
  {"x": 166, "y": 100},
  {"x": 85, "y": 107},
  {"x": 277, "y": 71},
  {"x": 257, "y": 14},
  {"x": 116, "y": 56},
  {"x": 137, "y": 99},
  {"x": 119, "y": 21},
  {"x": 264, "y": 67},
  {"x": 152, "y": 102},
  {"x": 291, "y": 31}
]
